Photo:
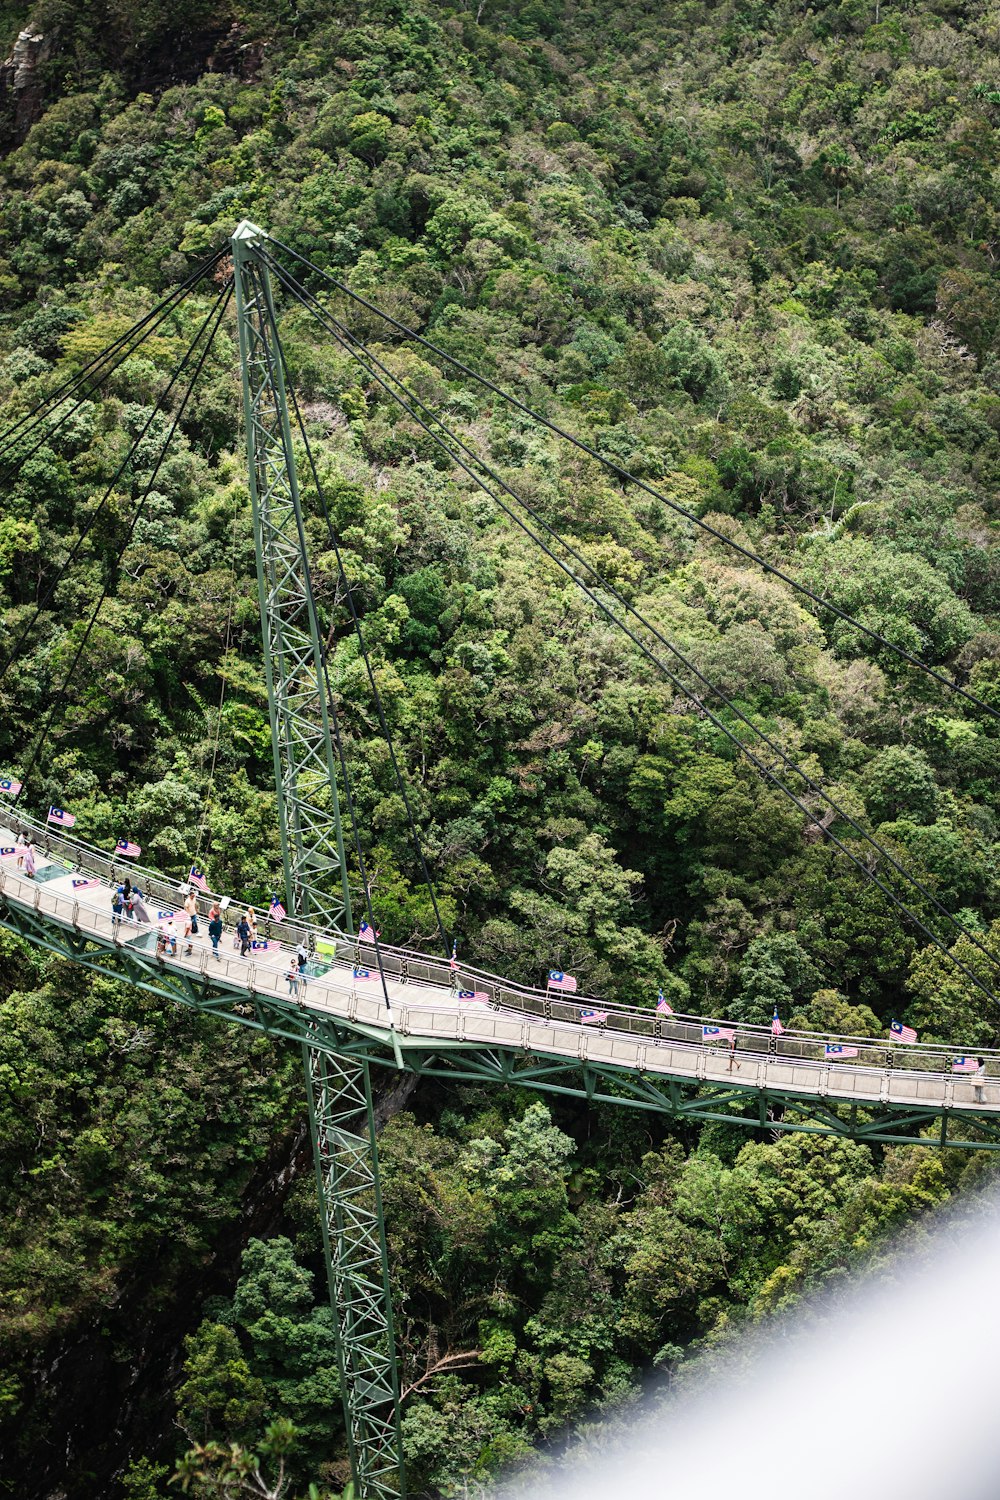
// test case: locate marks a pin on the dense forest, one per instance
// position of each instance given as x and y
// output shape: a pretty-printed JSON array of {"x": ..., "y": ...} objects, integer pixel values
[{"x": 746, "y": 250}]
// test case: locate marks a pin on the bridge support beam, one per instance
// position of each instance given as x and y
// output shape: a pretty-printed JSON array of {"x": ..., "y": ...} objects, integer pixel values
[{"x": 342, "y": 1127}]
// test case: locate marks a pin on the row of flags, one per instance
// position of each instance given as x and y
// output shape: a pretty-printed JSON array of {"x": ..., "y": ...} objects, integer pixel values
[
  {"x": 558, "y": 979},
  {"x": 126, "y": 848}
]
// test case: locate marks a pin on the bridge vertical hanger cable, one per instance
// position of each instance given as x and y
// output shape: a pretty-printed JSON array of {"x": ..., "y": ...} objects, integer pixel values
[
  {"x": 358, "y": 850},
  {"x": 332, "y": 708},
  {"x": 369, "y": 669},
  {"x": 99, "y": 368},
  {"x": 94, "y": 516},
  {"x": 222, "y": 691},
  {"x": 217, "y": 312},
  {"x": 628, "y": 478},
  {"x": 326, "y": 320}
]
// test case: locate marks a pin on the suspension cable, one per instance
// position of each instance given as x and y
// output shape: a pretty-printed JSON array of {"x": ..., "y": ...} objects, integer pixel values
[
  {"x": 95, "y": 514},
  {"x": 341, "y": 332},
  {"x": 222, "y": 694},
  {"x": 324, "y": 687},
  {"x": 604, "y": 608},
  {"x": 356, "y": 622},
  {"x": 94, "y": 370},
  {"x": 356, "y": 835},
  {"x": 629, "y": 478},
  {"x": 217, "y": 311}
]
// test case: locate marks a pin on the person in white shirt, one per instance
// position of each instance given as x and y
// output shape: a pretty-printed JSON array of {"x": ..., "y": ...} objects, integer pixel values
[{"x": 190, "y": 920}]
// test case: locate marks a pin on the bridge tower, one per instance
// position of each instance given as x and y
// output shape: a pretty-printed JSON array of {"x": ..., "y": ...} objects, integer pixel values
[{"x": 341, "y": 1116}]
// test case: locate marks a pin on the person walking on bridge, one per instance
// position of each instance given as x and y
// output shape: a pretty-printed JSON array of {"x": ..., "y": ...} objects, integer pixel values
[
  {"x": 245, "y": 934},
  {"x": 215, "y": 929},
  {"x": 190, "y": 919},
  {"x": 979, "y": 1076},
  {"x": 29, "y": 859}
]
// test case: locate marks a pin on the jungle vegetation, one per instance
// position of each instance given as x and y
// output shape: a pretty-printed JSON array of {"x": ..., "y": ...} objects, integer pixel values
[{"x": 746, "y": 249}]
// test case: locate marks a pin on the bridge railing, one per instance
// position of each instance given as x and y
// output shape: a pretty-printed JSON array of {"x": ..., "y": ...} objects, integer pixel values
[{"x": 404, "y": 966}]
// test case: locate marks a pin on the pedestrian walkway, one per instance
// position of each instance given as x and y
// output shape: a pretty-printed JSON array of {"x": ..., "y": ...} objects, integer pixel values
[{"x": 411, "y": 997}]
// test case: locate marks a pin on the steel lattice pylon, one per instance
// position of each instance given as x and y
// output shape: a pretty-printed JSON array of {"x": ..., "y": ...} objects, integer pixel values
[
  {"x": 316, "y": 886},
  {"x": 305, "y": 761},
  {"x": 343, "y": 1126}
]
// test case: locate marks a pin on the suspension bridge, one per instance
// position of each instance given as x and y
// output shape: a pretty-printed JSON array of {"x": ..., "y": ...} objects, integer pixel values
[{"x": 360, "y": 1006}]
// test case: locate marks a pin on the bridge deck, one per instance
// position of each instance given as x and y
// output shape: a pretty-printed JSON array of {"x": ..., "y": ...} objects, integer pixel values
[{"x": 424, "y": 1008}]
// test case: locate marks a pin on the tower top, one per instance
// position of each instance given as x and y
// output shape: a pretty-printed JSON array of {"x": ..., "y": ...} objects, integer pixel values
[{"x": 248, "y": 233}]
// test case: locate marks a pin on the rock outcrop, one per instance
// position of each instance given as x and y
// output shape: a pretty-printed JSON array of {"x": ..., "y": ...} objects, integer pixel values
[{"x": 20, "y": 84}]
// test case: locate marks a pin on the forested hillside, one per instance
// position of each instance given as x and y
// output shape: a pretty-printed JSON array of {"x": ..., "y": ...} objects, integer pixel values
[{"x": 748, "y": 252}]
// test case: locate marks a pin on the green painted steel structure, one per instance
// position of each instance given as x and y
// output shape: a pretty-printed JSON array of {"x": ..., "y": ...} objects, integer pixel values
[
  {"x": 744, "y": 1104},
  {"x": 317, "y": 888},
  {"x": 305, "y": 758}
]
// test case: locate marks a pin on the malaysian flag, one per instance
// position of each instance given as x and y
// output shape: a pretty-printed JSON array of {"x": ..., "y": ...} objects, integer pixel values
[
  {"x": 196, "y": 878},
  {"x": 127, "y": 849},
  {"x": 834, "y": 1049},
  {"x": 901, "y": 1033},
  {"x": 260, "y": 945},
  {"x": 470, "y": 996},
  {"x": 64, "y": 819},
  {"x": 776, "y": 1027},
  {"x": 12, "y": 788},
  {"x": 277, "y": 911},
  {"x": 367, "y": 933},
  {"x": 7, "y": 852},
  {"x": 560, "y": 981},
  {"x": 82, "y": 881},
  {"x": 718, "y": 1034},
  {"x": 593, "y": 1017},
  {"x": 662, "y": 1008},
  {"x": 965, "y": 1065},
  {"x": 453, "y": 961},
  {"x": 165, "y": 916},
  {"x": 363, "y": 974}
]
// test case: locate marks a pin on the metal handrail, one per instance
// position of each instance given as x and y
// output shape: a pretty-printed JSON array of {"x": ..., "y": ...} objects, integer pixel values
[{"x": 410, "y": 966}]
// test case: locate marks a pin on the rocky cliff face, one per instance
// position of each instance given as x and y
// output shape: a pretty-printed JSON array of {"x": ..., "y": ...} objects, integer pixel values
[
  {"x": 222, "y": 48},
  {"x": 21, "y": 90}
]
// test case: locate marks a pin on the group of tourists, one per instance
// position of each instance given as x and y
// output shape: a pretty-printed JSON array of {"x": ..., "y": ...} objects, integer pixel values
[
  {"x": 186, "y": 925},
  {"x": 129, "y": 904},
  {"x": 177, "y": 933}
]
